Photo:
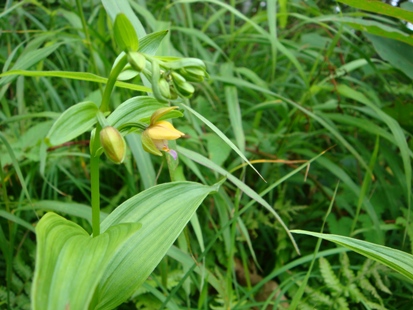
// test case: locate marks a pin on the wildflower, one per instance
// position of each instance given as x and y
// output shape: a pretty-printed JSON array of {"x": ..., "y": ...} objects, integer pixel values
[{"x": 155, "y": 138}]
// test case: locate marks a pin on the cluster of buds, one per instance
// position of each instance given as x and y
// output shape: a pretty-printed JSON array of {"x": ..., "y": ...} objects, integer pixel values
[
  {"x": 175, "y": 75},
  {"x": 171, "y": 78}
]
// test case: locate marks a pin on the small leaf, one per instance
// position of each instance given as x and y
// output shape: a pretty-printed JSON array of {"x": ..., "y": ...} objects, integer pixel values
[
  {"x": 125, "y": 35},
  {"x": 73, "y": 122}
]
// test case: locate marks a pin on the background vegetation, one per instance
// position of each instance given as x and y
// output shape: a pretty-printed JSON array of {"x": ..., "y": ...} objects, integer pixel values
[{"x": 289, "y": 80}]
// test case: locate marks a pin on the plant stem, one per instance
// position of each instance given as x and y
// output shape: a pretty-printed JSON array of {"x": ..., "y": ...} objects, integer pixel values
[
  {"x": 95, "y": 192},
  {"x": 94, "y": 156},
  {"x": 116, "y": 70}
]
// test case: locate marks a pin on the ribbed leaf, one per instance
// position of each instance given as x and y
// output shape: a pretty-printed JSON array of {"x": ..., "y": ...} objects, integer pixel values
[
  {"x": 163, "y": 211},
  {"x": 400, "y": 261},
  {"x": 76, "y": 271},
  {"x": 73, "y": 122},
  {"x": 70, "y": 264},
  {"x": 150, "y": 43},
  {"x": 125, "y": 35}
]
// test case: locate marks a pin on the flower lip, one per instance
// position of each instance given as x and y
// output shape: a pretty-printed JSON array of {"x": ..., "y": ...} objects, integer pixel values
[{"x": 163, "y": 130}]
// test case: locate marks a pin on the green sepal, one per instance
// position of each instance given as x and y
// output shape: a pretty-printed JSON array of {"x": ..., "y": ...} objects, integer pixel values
[{"x": 149, "y": 146}]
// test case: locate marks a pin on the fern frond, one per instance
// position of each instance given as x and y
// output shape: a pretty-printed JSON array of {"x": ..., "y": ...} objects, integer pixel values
[
  {"x": 379, "y": 283},
  {"x": 348, "y": 274},
  {"x": 318, "y": 299},
  {"x": 341, "y": 303},
  {"x": 22, "y": 269},
  {"x": 329, "y": 277}
]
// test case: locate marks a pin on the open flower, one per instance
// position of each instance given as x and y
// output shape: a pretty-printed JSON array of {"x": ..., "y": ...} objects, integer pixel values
[{"x": 155, "y": 137}]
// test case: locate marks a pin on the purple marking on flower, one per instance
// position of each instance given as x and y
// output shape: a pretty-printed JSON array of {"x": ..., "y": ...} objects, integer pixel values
[{"x": 173, "y": 153}]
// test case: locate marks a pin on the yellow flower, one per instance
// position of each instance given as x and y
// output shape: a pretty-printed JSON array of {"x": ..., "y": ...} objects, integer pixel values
[{"x": 155, "y": 137}]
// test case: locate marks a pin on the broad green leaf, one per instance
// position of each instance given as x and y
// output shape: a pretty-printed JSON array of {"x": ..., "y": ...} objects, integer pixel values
[
  {"x": 379, "y": 7},
  {"x": 163, "y": 211},
  {"x": 73, "y": 122},
  {"x": 399, "y": 261},
  {"x": 398, "y": 54},
  {"x": 70, "y": 263},
  {"x": 136, "y": 109},
  {"x": 125, "y": 35},
  {"x": 70, "y": 208}
]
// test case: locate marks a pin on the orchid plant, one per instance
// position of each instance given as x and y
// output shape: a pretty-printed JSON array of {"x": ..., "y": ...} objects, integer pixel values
[{"x": 76, "y": 270}]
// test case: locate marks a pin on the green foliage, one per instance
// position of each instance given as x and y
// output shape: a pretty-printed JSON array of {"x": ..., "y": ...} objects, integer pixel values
[
  {"x": 343, "y": 289},
  {"x": 305, "y": 92}
]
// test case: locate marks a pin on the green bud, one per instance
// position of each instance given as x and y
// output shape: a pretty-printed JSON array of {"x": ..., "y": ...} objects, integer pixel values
[
  {"x": 164, "y": 88},
  {"x": 113, "y": 144},
  {"x": 177, "y": 78},
  {"x": 137, "y": 61},
  {"x": 193, "y": 74},
  {"x": 185, "y": 89}
]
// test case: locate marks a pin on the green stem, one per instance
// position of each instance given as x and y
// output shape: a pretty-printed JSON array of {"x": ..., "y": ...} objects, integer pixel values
[
  {"x": 116, "y": 70},
  {"x": 94, "y": 181},
  {"x": 94, "y": 156}
]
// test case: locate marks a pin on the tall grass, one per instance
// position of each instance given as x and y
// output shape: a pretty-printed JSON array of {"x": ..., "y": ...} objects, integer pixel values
[{"x": 280, "y": 93}]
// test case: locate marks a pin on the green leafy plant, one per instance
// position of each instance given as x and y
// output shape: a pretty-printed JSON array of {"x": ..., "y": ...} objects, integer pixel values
[{"x": 78, "y": 271}]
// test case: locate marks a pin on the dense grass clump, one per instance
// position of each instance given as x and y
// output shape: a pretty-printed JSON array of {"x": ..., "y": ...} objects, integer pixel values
[{"x": 315, "y": 95}]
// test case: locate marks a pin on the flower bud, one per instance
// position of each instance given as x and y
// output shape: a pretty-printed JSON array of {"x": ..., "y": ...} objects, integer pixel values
[
  {"x": 177, "y": 78},
  {"x": 137, "y": 61},
  {"x": 113, "y": 144},
  {"x": 164, "y": 88},
  {"x": 193, "y": 74},
  {"x": 185, "y": 89}
]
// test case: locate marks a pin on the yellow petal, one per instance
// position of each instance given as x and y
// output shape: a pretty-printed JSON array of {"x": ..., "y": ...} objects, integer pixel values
[{"x": 163, "y": 130}]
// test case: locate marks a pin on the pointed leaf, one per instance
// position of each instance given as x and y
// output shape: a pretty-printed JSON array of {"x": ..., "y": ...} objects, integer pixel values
[
  {"x": 163, "y": 211},
  {"x": 125, "y": 35},
  {"x": 73, "y": 122},
  {"x": 397, "y": 260},
  {"x": 136, "y": 109},
  {"x": 150, "y": 43},
  {"x": 70, "y": 263}
]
